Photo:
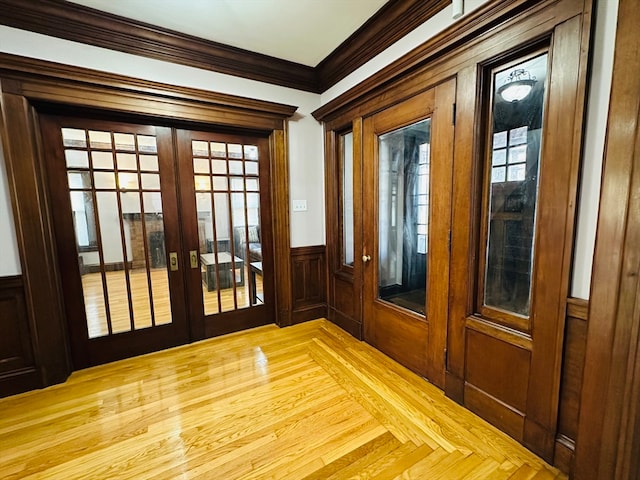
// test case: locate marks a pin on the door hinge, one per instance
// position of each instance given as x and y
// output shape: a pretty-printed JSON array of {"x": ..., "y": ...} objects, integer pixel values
[
  {"x": 449, "y": 242},
  {"x": 453, "y": 114},
  {"x": 446, "y": 357}
]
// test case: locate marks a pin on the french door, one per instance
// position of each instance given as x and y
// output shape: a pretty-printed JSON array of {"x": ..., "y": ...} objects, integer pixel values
[
  {"x": 117, "y": 230},
  {"x": 227, "y": 230},
  {"x": 408, "y": 159},
  {"x": 150, "y": 254}
]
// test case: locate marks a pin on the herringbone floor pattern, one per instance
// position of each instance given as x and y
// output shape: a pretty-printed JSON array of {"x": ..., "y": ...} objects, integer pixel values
[{"x": 304, "y": 402}]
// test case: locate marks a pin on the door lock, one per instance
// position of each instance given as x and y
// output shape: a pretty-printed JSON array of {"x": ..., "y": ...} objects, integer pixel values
[
  {"x": 173, "y": 261},
  {"x": 193, "y": 257}
]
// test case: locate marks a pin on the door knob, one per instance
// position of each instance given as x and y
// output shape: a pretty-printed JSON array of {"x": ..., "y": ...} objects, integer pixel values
[{"x": 366, "y": 258}]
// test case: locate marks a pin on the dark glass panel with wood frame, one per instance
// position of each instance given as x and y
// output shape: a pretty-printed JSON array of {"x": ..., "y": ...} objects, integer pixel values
[
  {"x": 345, "y": 158},
  {"x": 404, "y": 159},
  {"x": 510, "y": 190}
]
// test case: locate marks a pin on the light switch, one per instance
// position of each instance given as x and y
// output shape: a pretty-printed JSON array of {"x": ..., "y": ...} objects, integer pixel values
[{"x": 299, "y": 205}]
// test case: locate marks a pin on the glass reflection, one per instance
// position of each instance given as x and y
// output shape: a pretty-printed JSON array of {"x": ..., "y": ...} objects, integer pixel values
[
  {"x": 346, "y": 197},
  {"x": 119, "y": 231},
  {"x": 513, "y": 187},
  {"x": 228, "y": 211},
  {"x": 404, "y": 215}
]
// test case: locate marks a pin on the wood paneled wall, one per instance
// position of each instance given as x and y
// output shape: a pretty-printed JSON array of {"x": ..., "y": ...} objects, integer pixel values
[
  {"x": 308, "y": 285},
  {"x": 575, "y": 339},
  {"x": 18, "y": 371}
]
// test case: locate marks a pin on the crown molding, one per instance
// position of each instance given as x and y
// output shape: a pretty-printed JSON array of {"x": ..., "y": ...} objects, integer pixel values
[
  {"x": 40, "y": 79},
  {"x": 70, "y": 21},
  {"x": 78, "y": 23},
  {"x": 471, "y": 26},
  {"x": 393, "y": 21}
]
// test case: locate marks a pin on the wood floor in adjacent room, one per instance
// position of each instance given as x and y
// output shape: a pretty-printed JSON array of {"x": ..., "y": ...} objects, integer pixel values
[{"x": 303, "y": 402}]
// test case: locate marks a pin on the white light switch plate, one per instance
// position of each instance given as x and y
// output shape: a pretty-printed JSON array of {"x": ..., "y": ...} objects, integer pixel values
[{"x": 299, "y": 206}]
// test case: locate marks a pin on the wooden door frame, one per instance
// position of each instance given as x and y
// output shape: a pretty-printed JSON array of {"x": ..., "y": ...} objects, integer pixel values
[
  {"x": 28, "y": 84},
  {"x": 608, "y": 442}
]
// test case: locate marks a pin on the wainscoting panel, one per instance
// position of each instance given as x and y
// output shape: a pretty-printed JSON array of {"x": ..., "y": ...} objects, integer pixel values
[
  {"x": 308, "y": 285},
  {"x": 18, "y": 372},
  {"x": 575, "y": 339}
]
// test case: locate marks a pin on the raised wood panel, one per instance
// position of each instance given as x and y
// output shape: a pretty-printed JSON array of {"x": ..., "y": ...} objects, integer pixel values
[
  {"x": 86, "y": 25},
  {"x": 498, "y": 368},
  {"x": 572, "y": 367},
  {"x": 18, "y": 372},
  {"x": 308, "y": 284},
  {"x": 571, "y": 382},
  {"x": 393, "y": 21},
  {"x": 15, "y": 339},
  {"x": 346, "y": 296}
]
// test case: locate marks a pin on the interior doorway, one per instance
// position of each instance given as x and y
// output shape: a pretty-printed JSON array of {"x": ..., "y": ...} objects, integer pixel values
[
  {"x": 408, "y": 159},
  {"x": 127, "y": 212}
]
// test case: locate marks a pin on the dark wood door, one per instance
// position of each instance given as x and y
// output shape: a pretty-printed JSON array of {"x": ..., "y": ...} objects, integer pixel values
[
  {"x": 408, "y": 159},
  {"x": 227, "y": 230},
  {"x": 115, "y": 211}
]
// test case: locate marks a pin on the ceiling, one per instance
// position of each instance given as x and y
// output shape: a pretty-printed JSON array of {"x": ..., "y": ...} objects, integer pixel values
[{"x": 302, "y": 31}]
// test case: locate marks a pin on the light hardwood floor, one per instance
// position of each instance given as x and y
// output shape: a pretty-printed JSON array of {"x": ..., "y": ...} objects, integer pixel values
[
  {"x": 119, "y": 300},
  {"x": 304, "y": 402}
]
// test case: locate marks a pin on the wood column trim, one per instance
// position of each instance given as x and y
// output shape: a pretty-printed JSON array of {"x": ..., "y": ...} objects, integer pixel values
[
  {"x": 35, "y": 238},
  {"x": 281, "y": 225},
  {"x": 608, "y": 443}
]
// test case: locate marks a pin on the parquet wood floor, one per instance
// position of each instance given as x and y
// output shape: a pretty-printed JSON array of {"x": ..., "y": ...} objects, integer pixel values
[{"x": 304, "y": 402}]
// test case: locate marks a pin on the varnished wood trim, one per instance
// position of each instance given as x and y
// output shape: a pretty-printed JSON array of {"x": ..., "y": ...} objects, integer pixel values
[
  {"x": 90, "y": 26},
  {"x": 578, "y": 308},
  {"x": 307, "y": 250},
  {"x": 82, "y": 24},
  {"x": 507, "y": 418},
  {"x": 513, "y": 337},
  {"x": 389, "y": 24},
  {"x": 12, "y": 281},
  {"x": 608, "y": 442},
  {"x": 346, "y": 323},
  {"x": 300, "y": 315},
  {"x": 471, "y": 26},
  {"x": 281, "y": 225},
  {"x": 37, "y": 79},
  {"x": 564, "y": 454}
]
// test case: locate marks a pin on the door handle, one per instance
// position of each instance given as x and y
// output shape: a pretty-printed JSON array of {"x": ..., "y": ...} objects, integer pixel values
[
  {"x": 366, "y": 258},
  {"x": 193, "y": 257},
  {"x": 173, "y": 261}
]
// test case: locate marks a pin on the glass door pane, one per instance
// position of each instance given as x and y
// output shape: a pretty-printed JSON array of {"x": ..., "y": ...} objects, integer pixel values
[
  {"x": 512, "y": 187},
  {"x": 114, "y": 187},
  {"x": 229, "y": 232},
  {"x": 403, "y": 195}
]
